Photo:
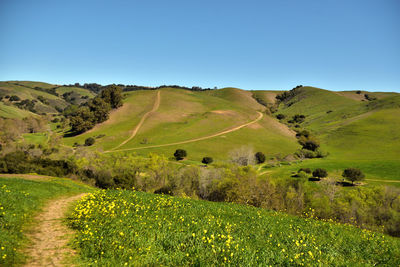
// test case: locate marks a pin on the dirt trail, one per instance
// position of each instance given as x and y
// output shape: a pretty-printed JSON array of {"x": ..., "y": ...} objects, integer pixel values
[
  {"x": 260, "y": 116},
  {"x": 385, "y": 181},
  {"x": 134, "y": 132},
  {"x": 51, "y": 236}
]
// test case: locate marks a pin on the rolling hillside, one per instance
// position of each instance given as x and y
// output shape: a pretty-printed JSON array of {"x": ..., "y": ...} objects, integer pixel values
[
  {"x": 355, "y": 131},
  {"x": 364, "y": 134},
  {"x": 42, "y": 98},
  {"x": 147, "y": 229},
  {"x": 204, "y": 123}
]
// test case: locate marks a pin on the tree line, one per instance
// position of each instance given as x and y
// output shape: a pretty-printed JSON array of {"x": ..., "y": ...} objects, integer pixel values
[
  {"x": 96, "y": 88},
  {"x": 95, "y": 110}
]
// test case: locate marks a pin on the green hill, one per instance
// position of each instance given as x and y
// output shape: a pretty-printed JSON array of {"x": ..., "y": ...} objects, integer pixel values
[
  {"x": 185, "y": 116},
  {"x": 42, "y": 98},
  {"x": 133, "y": 228},
  {"x": 362, "y": 134}
]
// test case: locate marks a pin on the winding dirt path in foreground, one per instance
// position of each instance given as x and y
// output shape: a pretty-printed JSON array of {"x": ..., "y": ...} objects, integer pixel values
[
  {"x": 260, "y": 116},
  {"x": 134, "y": 132},
  {"x": 51, "y": 236}
]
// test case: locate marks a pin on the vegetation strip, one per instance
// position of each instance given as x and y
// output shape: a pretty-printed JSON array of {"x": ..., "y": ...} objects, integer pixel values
[
  {"x": 117, "y": 228},
  {"x": 260, "y": 116}
]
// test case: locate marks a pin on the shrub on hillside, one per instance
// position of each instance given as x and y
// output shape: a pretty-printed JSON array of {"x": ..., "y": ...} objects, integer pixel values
[
  {"x": 89, "y": 141},
  {"x": 15, "y": 98},
  {"x": 180, "y": 154},
  {"x": 280, "y": 116},
  {"x": 298, "y": 118},
  {"x": 207, "y": 160},
  {"x": 260, "y": 157},
  {"x": 353, "y": 174},
  {"x": 320, "y": 173},
  {"x": 306, "y": 170}
]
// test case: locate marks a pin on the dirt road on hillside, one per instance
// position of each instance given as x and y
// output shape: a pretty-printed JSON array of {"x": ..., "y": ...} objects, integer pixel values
[
  {"x": 260, "y": 116},
  {"x": 136, "y": 129},
  {"x": 50, "y": 237}
]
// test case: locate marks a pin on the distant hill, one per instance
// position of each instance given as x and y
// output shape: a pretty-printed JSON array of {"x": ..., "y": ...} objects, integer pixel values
[{"x": 356, "y": 128}]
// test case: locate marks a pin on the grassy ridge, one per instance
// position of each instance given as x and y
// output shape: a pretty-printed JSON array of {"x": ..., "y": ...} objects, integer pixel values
[
  {"x": 118, "y": 228},
  {"x": 363, "y": 134},
  {"x": 13, "y": 112},
  {"x": 185, "y": 115},
  {"x": 20, "y": 199}
]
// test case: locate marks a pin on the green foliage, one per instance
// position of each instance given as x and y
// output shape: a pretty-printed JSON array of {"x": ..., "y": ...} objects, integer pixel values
[
  {"x": 112, "y": 95},
  {"x": 20, "y": 162},
  {"x": 19, "y": 201},
  {"x": 90, "y": 141},
  {"x": 15, "y": 98},
  {"x": 260, "y": 157},
  {"x": 180, "y": 154},
  {"x": 306, "y": 170},
  {"x": 320, "y": 173},
  {"x": 280, "y": 116},
  {"x": 95, "y": 111},
  {"x": 353, "y": 174},
  {"x": 207, "y": 160},
  {"x": 117, "y": 228}
]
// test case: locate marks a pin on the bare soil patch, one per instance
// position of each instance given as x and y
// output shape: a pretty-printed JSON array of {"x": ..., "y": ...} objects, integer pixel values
[{"x": 50, "y": 237}]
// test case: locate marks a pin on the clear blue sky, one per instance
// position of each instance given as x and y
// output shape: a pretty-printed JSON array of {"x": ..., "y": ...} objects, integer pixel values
[{"x": 332, "y": 44}]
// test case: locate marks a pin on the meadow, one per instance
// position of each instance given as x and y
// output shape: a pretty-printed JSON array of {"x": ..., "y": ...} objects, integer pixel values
[
  {"x": 20, "y": 200},
  {"x": 126, "y": 228}
]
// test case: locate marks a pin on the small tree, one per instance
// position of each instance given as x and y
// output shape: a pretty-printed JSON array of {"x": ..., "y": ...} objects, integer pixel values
[
  {"x": 15, "y": 98},
  {"x": 320, "y": 173},
  {"x": 89, "y": 141},
  {"x": 207, "y": 160},
  {"x": 260, "y": 157},
  {"x": 280, "y": 116},
  {"x": 306, "y": 170},
  {"x": 180, "y": 154},
  {"x": 353, "y": 174}
]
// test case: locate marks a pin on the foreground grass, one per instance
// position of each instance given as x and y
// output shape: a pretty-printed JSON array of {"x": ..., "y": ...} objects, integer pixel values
[
  {"x": 117, "y": 228},
  {"x": 19, "y": 200}
]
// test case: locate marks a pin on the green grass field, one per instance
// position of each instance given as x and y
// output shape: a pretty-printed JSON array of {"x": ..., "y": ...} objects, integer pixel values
[
  {"x": 117, "y": 228},
  {"x": 199, "y": 114},
  {"x": 13, "y": 112},
  {"x": 20, "y": 200}
]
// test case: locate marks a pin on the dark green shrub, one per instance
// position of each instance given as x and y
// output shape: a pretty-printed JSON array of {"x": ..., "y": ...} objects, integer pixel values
[
  {"x": 298, "y": 118},
  {"x": 180, "y": 154},
  {"x": 353, "y": 174},
  {"x": 280, "y": 116},
  {"x": 89, "y": 141},
  {"x": 15, "y": 98},
  {"x": 320, "y": 173},
  {"x": 260, "y": 157},
  {"x": 104, "y": 179},
  {"x": 207, "y": 160},
  {"x": 306, "y": 170}
]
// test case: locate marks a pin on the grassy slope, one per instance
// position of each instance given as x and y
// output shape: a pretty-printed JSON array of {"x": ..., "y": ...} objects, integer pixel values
[
  {"x": 81, "y": 91},
  {"x": 20, "y": 199},
  {"x": 25, "y": 90},
  {"x": 139, "y": 229},
  {"x": 13, "y": 112},
  {"x": 185, "y": 115},
  {"x": 355, "y": 133}
]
